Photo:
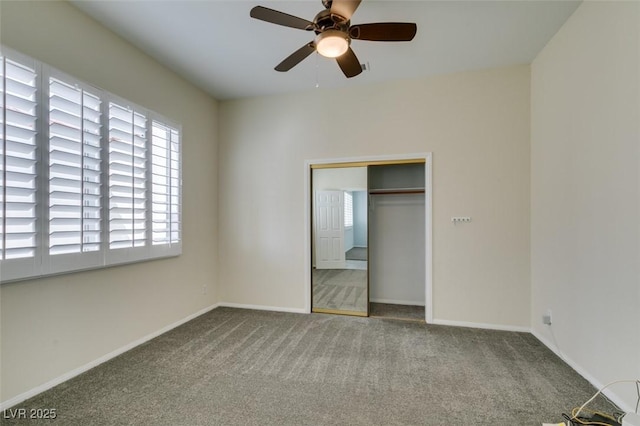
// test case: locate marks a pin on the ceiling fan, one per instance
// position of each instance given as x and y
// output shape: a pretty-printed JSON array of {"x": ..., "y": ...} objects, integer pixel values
[{"x": 334, "y": 33}]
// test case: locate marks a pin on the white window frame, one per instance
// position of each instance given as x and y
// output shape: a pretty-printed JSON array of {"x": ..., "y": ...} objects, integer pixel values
[
  {"x": 117, "y": 256},
  {"x": 12, "y": 269},
  {"x": 59, "y": 263},
  {"x": 172, "y": 248},
  {"x": 45, "y": 264}
]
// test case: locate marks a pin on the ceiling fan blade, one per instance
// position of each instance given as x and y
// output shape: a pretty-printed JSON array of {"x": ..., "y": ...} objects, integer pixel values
[
  {"x": 344, "y": 8},
  {"x": 349, "y": 64},
  {"x": 280, "y": 18},
  {"x": 384, "y": 31},
  {"x": 296, "y": 57}
]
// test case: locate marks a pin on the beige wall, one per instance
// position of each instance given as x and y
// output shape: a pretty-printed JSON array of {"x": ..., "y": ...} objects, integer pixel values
[
  {"x": 51, "y": 326},
  {"x": 477, "y": 126},
  {"x": 585, "y": 216}
]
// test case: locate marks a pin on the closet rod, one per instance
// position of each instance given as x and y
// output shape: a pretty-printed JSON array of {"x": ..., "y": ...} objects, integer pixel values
[{"x": 395, "y": 191}]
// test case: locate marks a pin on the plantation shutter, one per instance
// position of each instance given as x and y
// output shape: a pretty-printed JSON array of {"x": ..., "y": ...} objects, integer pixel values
[
  {"x": 127, "y": 178},
  {"x": 87, "y": 179},
  {"x": 74, "y": 169},
  {"x": 18, "y": 162},
  {"x": 165, "y": 179}
]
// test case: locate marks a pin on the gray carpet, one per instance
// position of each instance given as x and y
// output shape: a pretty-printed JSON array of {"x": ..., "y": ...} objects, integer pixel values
[
  {"x": 356, "y": 253},
  {"x": 340, "y": 289},
  {"x": 404, "y": 312},
  {"x": 241, "y": 367}
]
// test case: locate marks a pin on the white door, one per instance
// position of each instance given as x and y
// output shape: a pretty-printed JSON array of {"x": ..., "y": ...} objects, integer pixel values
[{"x": 329, "y": 230}]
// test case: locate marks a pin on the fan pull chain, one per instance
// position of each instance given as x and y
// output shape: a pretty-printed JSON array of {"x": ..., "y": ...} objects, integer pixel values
[{"x": 317, "y": 66}]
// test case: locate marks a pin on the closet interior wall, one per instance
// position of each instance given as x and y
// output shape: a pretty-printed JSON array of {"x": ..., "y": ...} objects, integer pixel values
[{"x": 397, "y": 234}]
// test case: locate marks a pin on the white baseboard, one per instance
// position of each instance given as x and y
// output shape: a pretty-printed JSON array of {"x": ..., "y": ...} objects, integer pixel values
[
  {"x": 77, "y": 371},
  {"x": 398, "y": 302},
  {"x": 581, "y": 371},
  {"x": 262, "y": 308},
  {"x": 482, "y": 325}
]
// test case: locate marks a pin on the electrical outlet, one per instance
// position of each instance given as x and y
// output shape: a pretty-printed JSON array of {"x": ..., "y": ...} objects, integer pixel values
[
  {"x": 204, "y": 289},
  {"x": 546, "y": 318}
]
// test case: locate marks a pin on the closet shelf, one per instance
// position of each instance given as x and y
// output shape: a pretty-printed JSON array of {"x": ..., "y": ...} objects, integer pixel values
[{"x": 396, "y": 191}]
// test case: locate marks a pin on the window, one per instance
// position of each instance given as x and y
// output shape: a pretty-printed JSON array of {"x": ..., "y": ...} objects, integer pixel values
[
  {"x": 87, "y": 180},
  {"x": 165, "y": 172},
  {"x": 19, "y": 163},
  {"x": 18, "y": 166},
  {"x": 348, "y": 209},
  {"x": 127, "y": 177},
  {"x": 74, "y": 169}
]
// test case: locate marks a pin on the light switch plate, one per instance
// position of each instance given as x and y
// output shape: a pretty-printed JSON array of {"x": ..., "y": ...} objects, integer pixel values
[{"x": 456, "y": 219}]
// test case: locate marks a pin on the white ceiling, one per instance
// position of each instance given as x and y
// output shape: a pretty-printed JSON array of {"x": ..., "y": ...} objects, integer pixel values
[{"x": 218, "y": 47}]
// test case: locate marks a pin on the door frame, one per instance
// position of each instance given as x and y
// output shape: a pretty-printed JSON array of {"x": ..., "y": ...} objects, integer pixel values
[{"x": 425, "y": 157}]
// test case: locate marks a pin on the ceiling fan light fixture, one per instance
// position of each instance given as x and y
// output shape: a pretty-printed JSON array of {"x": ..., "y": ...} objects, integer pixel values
[
  {"x": 333, "y": 33},
  {"x": 332, "y": 43}
]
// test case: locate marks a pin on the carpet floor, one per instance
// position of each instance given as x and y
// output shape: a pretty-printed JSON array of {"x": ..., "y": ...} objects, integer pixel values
[
  {"x": 340, "y": 289},
  {"x": 356, "y": 253},
  {"x": 242, "y": 367},
  {"x": 404, "y": 312}
]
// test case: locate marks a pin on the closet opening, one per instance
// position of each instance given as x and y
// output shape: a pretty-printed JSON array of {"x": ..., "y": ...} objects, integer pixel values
[
  {"x": 369, "y": 225},
  {"x": 397, "y": 241}
]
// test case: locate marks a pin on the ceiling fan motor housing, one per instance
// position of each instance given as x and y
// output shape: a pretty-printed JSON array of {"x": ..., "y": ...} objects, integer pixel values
[
  {"x": 332, "y": 34},
  {"x": 325, "y": 20}
]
